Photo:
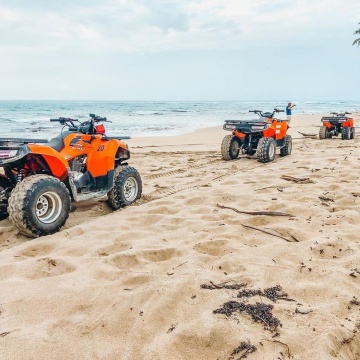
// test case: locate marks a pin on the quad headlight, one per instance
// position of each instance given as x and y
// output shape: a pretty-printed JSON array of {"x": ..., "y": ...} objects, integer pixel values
[
  {"x": 6, "y": 154},
  {"x": 229, "y": 127},
  {"x": 260, "y": 127}
]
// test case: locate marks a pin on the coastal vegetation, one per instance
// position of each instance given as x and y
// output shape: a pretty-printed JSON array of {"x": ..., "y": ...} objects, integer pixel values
[{"x": 357, "y": 41}]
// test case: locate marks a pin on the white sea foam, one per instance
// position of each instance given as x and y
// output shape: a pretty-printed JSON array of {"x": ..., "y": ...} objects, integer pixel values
[{"x": 147, "y": 118}]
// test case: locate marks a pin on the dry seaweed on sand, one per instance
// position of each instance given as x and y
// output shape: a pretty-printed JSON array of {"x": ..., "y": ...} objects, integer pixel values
[
  {"x": 213, "y": 286},
  {"x": 244, "y": 349},
  {"x": 354, "y": 301},
  {"x": 272, "y": 293},
  {"x": 259, "y": 312}
]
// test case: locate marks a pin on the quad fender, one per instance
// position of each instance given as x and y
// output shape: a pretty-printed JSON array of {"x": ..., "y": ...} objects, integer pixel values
[
  {"x": 270, "y": 132},
  {"x": 239, "y": 135},
  {"x": 327, "y": 124},
  {"x": 279, "y": 128},
  {"x": 349, "y": 123},
  {"x": 122, "y": 154},
  {"x": 55, "y": 162},
  {"x": 102, "y": 159}
]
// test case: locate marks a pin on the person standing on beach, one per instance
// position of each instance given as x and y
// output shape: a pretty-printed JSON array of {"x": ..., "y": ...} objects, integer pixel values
[{"x": 288, "y": 111}]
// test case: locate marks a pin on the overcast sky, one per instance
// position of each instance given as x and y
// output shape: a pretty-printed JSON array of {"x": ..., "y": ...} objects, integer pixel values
[{"x": 179, "y": 49}]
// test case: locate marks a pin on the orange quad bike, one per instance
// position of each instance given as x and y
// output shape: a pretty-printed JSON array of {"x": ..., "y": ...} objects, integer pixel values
[
  {"x": 337, "y": 124},
  {"x": 40, "y": 178},
  {"x": 261, "y": 136}
]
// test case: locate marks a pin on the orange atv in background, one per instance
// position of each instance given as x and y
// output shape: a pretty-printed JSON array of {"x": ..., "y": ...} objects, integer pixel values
[
  {"x": 40, "y": 178},
  {"x": 337, "y": 124},
  {"x": 261, "y": 136}
]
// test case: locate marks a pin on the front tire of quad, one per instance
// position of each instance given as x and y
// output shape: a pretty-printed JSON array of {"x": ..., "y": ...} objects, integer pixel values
[
  {"x": 4, "y": 184},
  {"x": 266, "y": 149},
  {"x": 323, "y": 133},
  {"x": 127, "y": 187},
  {"x": 352, "y": 134},
  {"x": 39, "y": 205},
  {"x": 286, "y": 149},
  {"x": 230, "y": 147},
  {"x": 345, "y": 133}
]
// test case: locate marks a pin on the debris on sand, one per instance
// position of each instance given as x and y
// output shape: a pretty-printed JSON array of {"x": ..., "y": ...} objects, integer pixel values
[
  {"x": 244, "y": 350},
  {"x": 213, "y": 286},
  {"x": 259, "y": 312},
  {"x": 272, "y": 293}
]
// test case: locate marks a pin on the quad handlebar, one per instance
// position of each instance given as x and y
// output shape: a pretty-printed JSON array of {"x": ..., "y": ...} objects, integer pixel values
[
  {"x": 98, "y": 118},
  {"x": 86, "y": 127},
  {"x": 266, "y": 114},
  {"x": 340, "y": 114}
]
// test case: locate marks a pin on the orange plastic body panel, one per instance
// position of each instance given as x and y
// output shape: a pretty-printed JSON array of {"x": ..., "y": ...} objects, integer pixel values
[
  {"x": 100, "y": 152},
  {"x": 277, "y": 130},
  {"x": 239, "y": 134},
  {"x": 349, "y": 123},
  {"x": 280, "y": 128},
  {"x": 270, "y": 132},
  {"x": 327, "y": 124},
  {"x": 57, "y": 164}
]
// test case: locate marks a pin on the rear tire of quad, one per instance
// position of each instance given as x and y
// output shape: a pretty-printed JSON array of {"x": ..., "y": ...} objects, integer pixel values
[
  {"x": 352, "y": 134},
  {"x": 230, "y": 147},
  {"x": 266, "y": 149},
  {"x": 39, "y": 205},
  {"x": 286, "y": 149},
  {"x": 345, "y": 133},
  {"x": 323, "y": 133},
  {"x": 4, "y": 184},
  {"x": 127, "y": 187}
]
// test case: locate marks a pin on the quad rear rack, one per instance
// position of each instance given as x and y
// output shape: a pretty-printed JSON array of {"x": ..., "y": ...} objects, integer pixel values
[
  {"x": 245, "y": 125},
  {"x": 23, "y": 141},
  {"x": 334, "y": 118}
]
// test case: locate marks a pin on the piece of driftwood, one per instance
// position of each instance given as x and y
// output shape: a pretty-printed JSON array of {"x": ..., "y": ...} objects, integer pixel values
[
  {"x": 297, "y": 180},
  {"x": 269, "y": 233},
  {"x": 266, "y": 187},
  {"x": 308, "y": 135},
  {"x": 266, "y": 213}
]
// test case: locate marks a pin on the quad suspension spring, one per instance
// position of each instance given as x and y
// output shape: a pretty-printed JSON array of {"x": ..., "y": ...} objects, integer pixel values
[{"x": 20, "y": 175}]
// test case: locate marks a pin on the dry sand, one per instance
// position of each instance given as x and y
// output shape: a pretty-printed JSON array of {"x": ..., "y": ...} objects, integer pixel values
[{"x": 127, "y": 285}]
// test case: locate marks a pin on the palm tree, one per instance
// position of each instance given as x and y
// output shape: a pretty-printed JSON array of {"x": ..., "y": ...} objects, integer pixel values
[{"x": 357, "y": 41}]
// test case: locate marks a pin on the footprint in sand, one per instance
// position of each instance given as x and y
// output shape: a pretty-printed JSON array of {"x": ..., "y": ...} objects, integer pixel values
[
  {"x": 36, "y": 250},
  {"x": 114, "y": 248},
  {"x": 213, "y": 248},
  {"x": 331, "y": 251},
  {"x": 158, "y": 255},
  {"x": 126, "y": 261},
  {"x": 48, "y": 267}
]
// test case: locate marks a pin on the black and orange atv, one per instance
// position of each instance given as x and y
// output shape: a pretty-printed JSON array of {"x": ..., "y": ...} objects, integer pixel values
[
  {"x": 261, "y": 136},
  {"x": 337, "y": 124},
  {"x": 40, "y": 178}
]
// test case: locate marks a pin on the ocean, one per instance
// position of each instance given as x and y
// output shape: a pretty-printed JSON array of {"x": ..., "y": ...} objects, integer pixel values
[{"x": 144, "y": 118}]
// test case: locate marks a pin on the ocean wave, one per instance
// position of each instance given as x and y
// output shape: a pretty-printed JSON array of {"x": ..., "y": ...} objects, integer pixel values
[
  {"x": 7, "y": 120},
  {"x": 145, "y": 113}
]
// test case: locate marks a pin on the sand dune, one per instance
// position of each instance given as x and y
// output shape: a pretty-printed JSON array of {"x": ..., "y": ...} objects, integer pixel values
[{"x": 127, "y": 285}]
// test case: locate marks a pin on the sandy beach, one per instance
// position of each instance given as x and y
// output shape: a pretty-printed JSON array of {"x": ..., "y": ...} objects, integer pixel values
[{"x": 187, "y": 272}]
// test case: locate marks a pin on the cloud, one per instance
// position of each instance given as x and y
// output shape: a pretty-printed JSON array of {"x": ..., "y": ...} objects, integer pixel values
[{"x": 117, "y": 26}]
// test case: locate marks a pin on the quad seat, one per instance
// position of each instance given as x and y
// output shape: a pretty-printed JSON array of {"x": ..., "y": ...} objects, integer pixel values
[{"x": 57, "y": 143}]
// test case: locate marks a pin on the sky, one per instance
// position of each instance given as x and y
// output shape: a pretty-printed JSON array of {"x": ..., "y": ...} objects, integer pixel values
[{"x": 180, "y": 50}]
